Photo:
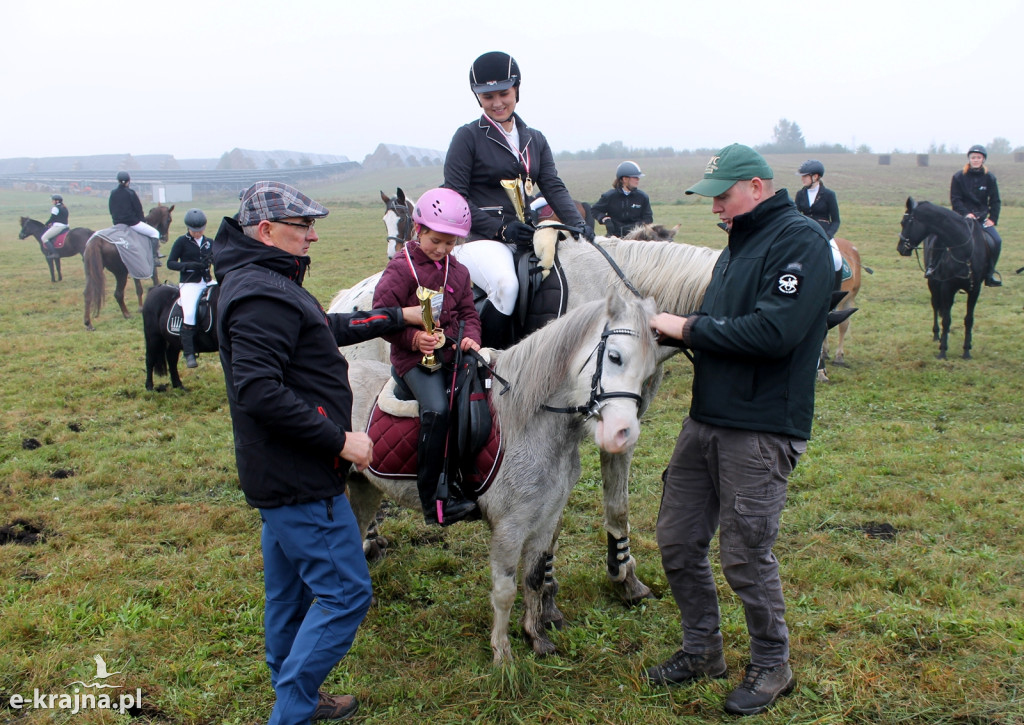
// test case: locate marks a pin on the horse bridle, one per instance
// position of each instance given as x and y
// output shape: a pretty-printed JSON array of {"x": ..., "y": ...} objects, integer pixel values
[
  {"x": 597, "y": 394},
  {"x": 404, "y": 222},
  {"x": 916, "y": 247}
]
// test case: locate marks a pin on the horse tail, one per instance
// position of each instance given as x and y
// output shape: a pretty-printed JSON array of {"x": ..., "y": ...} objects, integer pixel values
[
  {"x": 156, "y": 345},
  {"x": 95, "y": 280}
]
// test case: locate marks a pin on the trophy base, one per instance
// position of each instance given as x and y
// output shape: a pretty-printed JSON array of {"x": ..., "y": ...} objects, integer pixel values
[{"x": 431, "y": 364}]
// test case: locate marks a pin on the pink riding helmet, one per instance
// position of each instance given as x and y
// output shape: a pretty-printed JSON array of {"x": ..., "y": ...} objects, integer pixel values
[{"x": 443, "y": 210}]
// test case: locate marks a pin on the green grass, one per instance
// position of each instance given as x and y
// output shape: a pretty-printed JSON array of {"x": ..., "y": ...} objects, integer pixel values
[{"x": 150, "y": 556}]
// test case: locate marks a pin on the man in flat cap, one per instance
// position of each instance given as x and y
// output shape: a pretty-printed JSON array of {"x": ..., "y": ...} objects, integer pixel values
[
  {"x": 755, "y": 344},
  {"x": 291, "y": 410}
]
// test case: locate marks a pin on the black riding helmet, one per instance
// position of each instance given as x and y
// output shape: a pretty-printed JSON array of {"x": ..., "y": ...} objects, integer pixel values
[
  {"x": 57, "y": 197},
  {"x": 811, "y": 167},
  {"x": 494, "y": 71},
  {"x": 195, "y": 220},
  {"x": 977, "y": 149},
  {"x": 123, "y": 177}
]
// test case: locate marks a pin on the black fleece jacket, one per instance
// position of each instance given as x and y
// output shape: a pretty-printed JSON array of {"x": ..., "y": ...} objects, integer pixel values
[{"x": 287, "y": 383}]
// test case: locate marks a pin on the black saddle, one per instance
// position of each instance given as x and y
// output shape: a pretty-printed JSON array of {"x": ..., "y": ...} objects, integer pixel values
[
  {"x": 204, "y": 316},
  {"x": 540, "y": 300}
]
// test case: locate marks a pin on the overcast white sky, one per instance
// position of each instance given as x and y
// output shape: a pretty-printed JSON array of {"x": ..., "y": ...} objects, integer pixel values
[{"x": 196, "y": 79}]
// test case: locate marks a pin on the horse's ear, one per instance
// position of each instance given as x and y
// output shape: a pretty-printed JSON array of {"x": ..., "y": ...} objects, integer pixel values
[
  {"x": 384, "y": 198},
  {"x": 615, "y": 305},
  {"x": 171, "y": 209},
  {"x": 401, "y": 195},
  {"x": 911, "y": 203}
]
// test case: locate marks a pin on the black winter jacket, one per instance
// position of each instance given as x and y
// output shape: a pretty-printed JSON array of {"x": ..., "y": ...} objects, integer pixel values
[
  {"x": 975, "y": 192},
  {"x": 287, "y": 383},
  {"x": 621, "y": 213},
  {"x": 125, "y": 207},
  {"x": 190, "y": 258},
  {"x": 479, "y": 158},
  {"x": 824, "y": 210},
  {"x": 757, "y": 341}
]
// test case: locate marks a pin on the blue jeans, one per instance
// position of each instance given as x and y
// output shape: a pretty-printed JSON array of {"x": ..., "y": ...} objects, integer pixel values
[
  {"x": 736, "y": 480},
  {"x": 317, "y": 592}
]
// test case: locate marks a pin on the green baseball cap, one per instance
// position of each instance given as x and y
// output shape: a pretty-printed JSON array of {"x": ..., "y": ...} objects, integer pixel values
[{"x": 733, "y": 163}]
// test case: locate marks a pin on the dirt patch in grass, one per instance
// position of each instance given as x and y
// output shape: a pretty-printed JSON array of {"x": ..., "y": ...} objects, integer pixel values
[{"x": 21, "y": 532}]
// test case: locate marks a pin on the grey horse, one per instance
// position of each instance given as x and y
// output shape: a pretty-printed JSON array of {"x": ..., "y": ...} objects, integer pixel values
[{"x": 593, "y": 363}]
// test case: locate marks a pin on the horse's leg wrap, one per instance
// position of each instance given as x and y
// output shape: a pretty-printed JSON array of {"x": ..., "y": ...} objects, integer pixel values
[
  {"x": 551, "y": 616},
  {"x": 619, "y": 558}
]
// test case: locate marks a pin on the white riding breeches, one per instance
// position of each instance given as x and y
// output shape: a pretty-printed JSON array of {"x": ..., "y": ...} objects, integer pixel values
[
  {"x": 53, "y": 232},
  {"x": 493, "y": 270},
  {"x": 837, "y": 257},
  {"x": 143, "y": 228},
  {"x": 188, "y": 295}
]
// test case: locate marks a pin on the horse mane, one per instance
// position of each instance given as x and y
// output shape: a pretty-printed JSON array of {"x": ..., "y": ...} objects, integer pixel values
[
  {"x": 538, "y": 366},
  {"x": 942, "y": 221},
  {"x": 675, "y": 275},
  {"x": 652, "y": 233}
]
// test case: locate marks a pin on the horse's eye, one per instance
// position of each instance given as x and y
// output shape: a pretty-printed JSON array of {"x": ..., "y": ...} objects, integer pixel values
[{"x": 615, "y": 357}]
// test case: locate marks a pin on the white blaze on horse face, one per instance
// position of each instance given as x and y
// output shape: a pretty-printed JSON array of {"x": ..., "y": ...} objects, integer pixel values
[
  {"x": 391, "y": 225},
  {"x": 624, "y": 370}
]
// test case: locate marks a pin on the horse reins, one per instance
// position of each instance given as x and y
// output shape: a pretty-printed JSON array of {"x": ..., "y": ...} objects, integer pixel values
[
  {"x": 947, "y": 249},
  {"x": 597, "y": 395},
  {"x": 604, "y": 253}
]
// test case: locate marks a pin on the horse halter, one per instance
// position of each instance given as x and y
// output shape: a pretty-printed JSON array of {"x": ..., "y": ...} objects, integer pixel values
[
  {"x": 405, "y": 225},
  {"x": 597, "y": 395}
]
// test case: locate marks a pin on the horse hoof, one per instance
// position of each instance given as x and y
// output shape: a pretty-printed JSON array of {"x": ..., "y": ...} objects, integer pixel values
[{"x": 542, "y": 646}]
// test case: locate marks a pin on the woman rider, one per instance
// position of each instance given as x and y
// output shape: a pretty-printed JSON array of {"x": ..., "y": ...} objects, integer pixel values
[
  {"x": 496, "y": 149},
  {"x": 820, "y": 204},
  {"x": 974, "y": 193},
  {"x": 57, "y": 223},
  {"x": 191, "y": 255}
]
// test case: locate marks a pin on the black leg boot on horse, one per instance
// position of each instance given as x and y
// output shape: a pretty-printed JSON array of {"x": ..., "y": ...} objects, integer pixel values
[
  {"x": 431, "y": 459},
  {"x": 188, "y": 346}
]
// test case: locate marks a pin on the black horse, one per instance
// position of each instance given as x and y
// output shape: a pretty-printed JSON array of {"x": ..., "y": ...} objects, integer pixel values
[
  {"x": 957, "y": 258},
  {"x": 74, "y": 243},
  {"x": 161, "y": 325}
]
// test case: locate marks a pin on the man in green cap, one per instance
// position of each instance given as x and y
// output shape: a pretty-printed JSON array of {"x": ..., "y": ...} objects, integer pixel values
[{"x": 755, "y": 344}]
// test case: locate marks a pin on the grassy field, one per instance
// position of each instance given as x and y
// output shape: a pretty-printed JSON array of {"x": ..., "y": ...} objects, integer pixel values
[{"x": 901, "y": 544}]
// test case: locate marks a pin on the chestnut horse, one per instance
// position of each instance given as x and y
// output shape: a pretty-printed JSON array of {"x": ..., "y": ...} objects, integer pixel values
[
  {"x": 74, "y": 243},
  {"x": 100, "y": 254},
  {"x": 851, "y": 286}
]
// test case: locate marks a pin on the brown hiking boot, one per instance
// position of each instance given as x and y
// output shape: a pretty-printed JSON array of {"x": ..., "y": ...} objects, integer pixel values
[
  {"x": 685, "y": 667},
  {"x": 761, "y": 687},
  {"x": 335, "y": 707}
]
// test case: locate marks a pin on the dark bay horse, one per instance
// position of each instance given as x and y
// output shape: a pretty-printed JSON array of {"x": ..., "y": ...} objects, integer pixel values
[
  {"x": 74, "y": 243},
  {"x": 161, "y": 326},
  {"x": 957, "y": 255},
  {"x": 100, "y": 254}
]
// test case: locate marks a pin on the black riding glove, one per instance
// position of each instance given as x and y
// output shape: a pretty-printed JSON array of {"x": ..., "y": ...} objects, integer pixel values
[
  {"x": 515, "y": 232},
  {"x": 583, "y": 230}
]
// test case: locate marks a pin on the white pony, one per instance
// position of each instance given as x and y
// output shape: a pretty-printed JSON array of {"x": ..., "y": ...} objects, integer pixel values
[
  {"x": 581, "y": 373},
  {"x": 675, "y": 275}
]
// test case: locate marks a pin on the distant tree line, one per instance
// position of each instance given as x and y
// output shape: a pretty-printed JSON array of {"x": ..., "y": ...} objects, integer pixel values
[{"x": 787, "y": 138}]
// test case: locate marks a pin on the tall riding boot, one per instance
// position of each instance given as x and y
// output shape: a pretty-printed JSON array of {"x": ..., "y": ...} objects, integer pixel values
[
  {"x": 498, "y": 329},
  {"x": 430, "y": 464},
  {"x": 995, "y": 246},
  {"x": 50, "y": 251},
  {"x": 188, "y": 345}
]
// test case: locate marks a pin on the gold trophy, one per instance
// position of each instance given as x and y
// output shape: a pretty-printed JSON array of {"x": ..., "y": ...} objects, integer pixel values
[
  {"x": 514, "y": 189},
  {"x": 426, "y": 297}
]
